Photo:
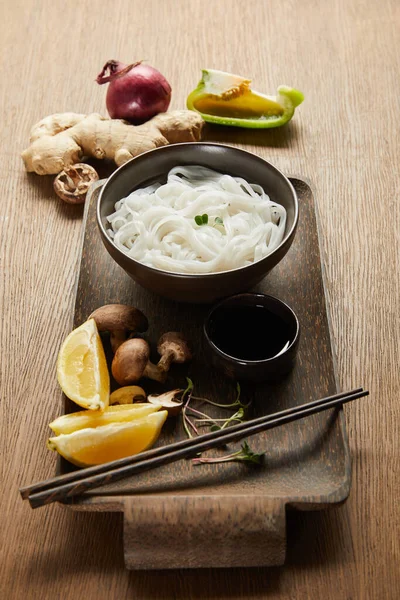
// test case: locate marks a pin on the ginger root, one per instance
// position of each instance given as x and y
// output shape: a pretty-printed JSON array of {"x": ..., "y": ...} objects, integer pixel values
[{"x": 61, "y": 140}]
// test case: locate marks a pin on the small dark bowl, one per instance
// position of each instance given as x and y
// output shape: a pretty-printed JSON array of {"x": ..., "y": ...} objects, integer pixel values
[
  {"x": 266, "y": 369},
  {"x": 153, "y": 166}
]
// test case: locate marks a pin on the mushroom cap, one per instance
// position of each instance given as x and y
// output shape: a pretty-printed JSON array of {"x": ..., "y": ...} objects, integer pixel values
[
  {"x": 119, "y": 317},
  {"x": 130, "y": 361},
  {"x": 174, "y": 342}
]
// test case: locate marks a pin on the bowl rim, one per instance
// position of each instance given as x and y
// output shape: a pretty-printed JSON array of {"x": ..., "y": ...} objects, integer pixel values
[
  {"x": 167, "y": 148},
  {"x": 241, "y": 361}
]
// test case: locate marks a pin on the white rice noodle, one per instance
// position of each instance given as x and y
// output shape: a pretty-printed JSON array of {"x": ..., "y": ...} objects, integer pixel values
[{"x": 156, "y": 225}]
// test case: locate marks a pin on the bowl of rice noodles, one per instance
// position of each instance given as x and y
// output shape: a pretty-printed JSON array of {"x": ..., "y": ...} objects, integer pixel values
[{"x": 199, "y": 221}]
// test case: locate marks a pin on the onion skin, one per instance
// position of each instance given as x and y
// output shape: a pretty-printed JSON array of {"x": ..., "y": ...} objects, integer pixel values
[{"x": 136, "y": 93}]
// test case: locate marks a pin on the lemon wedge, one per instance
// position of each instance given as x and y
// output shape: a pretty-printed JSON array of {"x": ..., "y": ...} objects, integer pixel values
[
  {"x": 94, "y": 418},
  {"x": 82, "y": 368},
  {"x": 99, "y": 445}
]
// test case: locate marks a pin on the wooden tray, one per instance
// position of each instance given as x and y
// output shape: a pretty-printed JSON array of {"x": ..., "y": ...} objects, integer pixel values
[{"x": 227, "y": 515}]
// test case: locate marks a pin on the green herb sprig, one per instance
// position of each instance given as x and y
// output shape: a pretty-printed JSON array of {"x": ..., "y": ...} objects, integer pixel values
[
  {"x": 186, "y": 397},
  {"x": 245, "y": 454},
  {"x": 193, "y": 418},
  {"x": 201, "y": 219}
]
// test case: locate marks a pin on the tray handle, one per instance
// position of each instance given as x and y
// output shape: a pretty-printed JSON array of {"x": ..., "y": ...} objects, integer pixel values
[{"x": 175, "y": 532}]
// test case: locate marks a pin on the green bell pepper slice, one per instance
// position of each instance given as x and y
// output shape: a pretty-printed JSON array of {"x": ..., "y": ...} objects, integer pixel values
[{"x": 227, "y": 99}]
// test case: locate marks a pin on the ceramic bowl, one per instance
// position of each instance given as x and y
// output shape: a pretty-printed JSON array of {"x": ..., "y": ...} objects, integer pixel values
[
  {"x": 153, "y": 166},
  {"x": 266, "y": 369}
]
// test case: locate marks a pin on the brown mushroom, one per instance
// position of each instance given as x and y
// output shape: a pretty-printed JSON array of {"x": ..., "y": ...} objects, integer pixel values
[
  {"x": 172, "y": 347},
  {"x": 120, "y": 320},
  {"x": 168, "y": 402},
  {"x": 129, "y": 394},
  {"x": 73, "y": 183},
  {"x": 132, "y": 362}
]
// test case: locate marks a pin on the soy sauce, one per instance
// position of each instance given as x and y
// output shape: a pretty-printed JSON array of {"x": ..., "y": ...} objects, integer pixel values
[{"x": 249, "y": 332}]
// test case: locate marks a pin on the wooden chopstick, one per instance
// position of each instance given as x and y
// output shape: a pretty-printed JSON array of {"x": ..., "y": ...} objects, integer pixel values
[
  {"x": 104, "y": 468},
  {"x": 66, "y": 486}
]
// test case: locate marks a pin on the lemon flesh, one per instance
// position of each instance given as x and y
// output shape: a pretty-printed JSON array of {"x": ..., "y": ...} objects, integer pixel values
[
  {"x": 99, "y": 445},
  {"x": 82, "y": 368},
  {"x": 94, "y": 418}
]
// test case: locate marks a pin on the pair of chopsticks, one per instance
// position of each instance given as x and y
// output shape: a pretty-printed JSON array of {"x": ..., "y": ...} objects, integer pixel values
[{"x": 64, "y": 487}]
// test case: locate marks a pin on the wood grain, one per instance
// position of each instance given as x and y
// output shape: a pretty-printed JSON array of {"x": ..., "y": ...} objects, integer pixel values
[{"x": 345, "y": 138}]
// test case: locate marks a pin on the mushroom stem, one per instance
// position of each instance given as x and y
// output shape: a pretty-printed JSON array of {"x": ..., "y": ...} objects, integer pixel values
[
  {"x": 172, "y": 347},
  {"x": 152, "y": 371},
  {"x": 166, "y": 361}
]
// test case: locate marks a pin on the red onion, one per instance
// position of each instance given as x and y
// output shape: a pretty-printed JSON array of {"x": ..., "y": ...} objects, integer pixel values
[{"x": 136, "y": 92}]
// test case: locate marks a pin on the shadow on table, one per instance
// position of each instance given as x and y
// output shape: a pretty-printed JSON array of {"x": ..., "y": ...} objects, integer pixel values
[
  {"x": 45, "y": 191},
  {"x": 279, "y": 137},
  {"x": 314, "y": 539},
  {"x": 45, "y": 194},
  {"x": 94, "y": 548}
]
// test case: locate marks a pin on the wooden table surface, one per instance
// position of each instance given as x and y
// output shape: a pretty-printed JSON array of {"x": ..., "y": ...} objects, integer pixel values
[{"x": 344, "y": 56}]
